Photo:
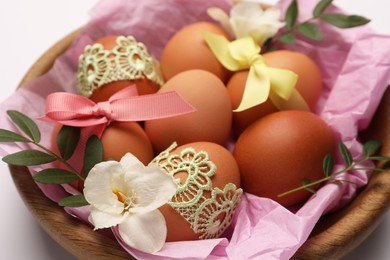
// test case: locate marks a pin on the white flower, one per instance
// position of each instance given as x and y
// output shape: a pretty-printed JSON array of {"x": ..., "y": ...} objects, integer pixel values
[
  {"x": 249, "y": 19},
  {"x": 128, "y": 194}
]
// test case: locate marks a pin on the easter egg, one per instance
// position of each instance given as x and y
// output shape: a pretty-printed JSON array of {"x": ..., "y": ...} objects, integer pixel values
[
  {"x": 187, "y": 50},
  {"x": 208, "y": 190},
  {"x": 120, "y": 138},
  {"x": 281, "y": 150},
  {"x": 309, "y": 85},
  {"x": 212, "y": 120},
  {"x": 113, "y": 63}
]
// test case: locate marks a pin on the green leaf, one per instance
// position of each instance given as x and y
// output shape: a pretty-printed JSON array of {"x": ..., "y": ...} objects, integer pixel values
[
  {"x": 55, "y": 176},
  {"x": 26, "y": 124},
  {"x": 307, "y": 182},
  {"x": 345, "y": 153},
  {"x": 287, "y": 38},
  {"x": 328, "y": 164},
  {"x": 73, "y": 201},
  {"x": 9, "y": 136},
  {"x": 310, "y": 30},
  {"x": 320, "y": 7},
  {"x": 93, "y": 153},
  {"x": 291, "y": 14},
  {"x": 344, "y": 21},
  {"x": 67, "y": 141},
  {"x": 28, "y": 158},
  {"x": 371, "y": 147}
]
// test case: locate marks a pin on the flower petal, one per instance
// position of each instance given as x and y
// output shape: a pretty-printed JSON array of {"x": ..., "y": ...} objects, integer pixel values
[
  {"x": 130, "y": 163},
  {"x": 219, "y": 15},
  {"x": 246, "y": 9},
  {"x": 247, "y": 18},
  {"x": 240, "y": 26},
  {"x": 101, "y": 219},
  {"x": 272, "y": 14},
  {"x": 154, "y": 187},
  {"x": 98, "y": 190},
  {"x": 145, "y": 232}
]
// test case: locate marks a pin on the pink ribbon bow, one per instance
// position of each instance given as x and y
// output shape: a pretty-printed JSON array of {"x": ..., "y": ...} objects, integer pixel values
[{"x": 125, "y": 105}]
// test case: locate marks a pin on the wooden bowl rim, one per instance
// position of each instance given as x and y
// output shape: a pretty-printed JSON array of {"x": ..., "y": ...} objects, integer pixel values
[{"x": 333, "y": 237}]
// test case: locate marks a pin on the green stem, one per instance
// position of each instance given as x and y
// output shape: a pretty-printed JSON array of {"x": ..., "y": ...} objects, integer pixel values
[
  {"x": 292, "y": 29},
  {"x": 73, "y": 170},
  {"x": 306, "y": 186},
  {"x": 327, "y": 178}
]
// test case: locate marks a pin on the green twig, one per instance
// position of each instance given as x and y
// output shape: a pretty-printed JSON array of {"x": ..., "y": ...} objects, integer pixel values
[{"x": 58, "y": 158}]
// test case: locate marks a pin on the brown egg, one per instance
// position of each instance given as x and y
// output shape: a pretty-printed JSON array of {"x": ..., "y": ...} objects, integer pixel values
[
  {"x": 103, "y": 93},
  {"x": 309, "y": 82},
  {"x": 187, "y": 50},
  {"x": 119, "y": 138},
  {"x": 309, "y": 85},
  {"x": 186, "y": 165},
  {"x": 212, "y": 120},
  {"x": 276, "y": 153}
]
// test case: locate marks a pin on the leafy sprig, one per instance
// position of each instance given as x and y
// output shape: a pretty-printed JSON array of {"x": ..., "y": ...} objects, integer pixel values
[
  {"x": 67, "y": 141},
  {"x": 370, "y": 148},
  {"x": 309, "y": 28}
]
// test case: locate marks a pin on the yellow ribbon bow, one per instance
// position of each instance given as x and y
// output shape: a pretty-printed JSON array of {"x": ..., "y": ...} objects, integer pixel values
[{"x": 263, "y": 82}]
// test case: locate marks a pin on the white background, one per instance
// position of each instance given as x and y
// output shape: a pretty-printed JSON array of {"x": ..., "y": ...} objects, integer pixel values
[{"x": 28, "y": 28}]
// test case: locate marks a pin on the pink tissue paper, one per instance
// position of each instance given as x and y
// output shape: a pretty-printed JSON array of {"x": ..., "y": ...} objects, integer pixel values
[{"x": 262, "y": 229}]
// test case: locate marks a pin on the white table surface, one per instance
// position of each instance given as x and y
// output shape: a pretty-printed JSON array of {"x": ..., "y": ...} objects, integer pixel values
[{"x": 28, "y": 28}]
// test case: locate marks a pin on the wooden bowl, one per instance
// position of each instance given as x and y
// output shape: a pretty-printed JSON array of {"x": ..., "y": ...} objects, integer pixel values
[{"x": 334, "y": 236}]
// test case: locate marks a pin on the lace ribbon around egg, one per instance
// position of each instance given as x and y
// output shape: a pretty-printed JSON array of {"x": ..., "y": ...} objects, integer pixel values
[
  {"x": 128, "y": 60},
  {"x": 208, "y": 209}
]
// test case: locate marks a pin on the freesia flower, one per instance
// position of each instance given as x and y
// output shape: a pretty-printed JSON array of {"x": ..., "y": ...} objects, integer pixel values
[
  {"x": 249, "y": 19},
  {"x": 128, "y": 194}
]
